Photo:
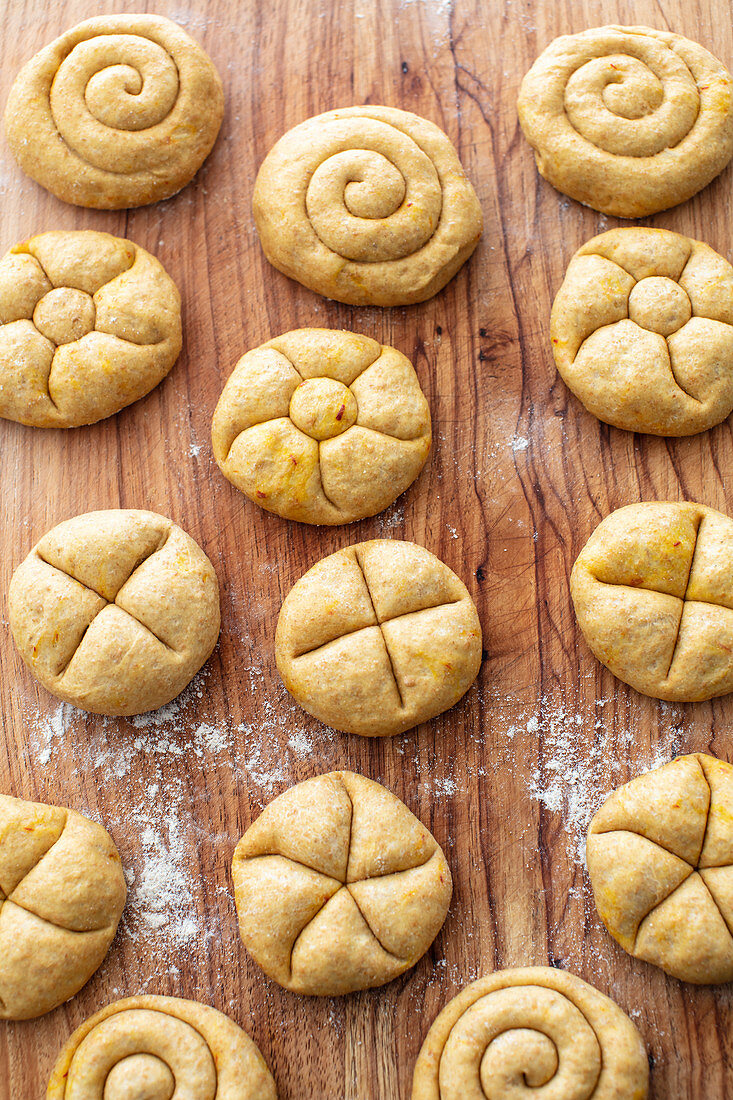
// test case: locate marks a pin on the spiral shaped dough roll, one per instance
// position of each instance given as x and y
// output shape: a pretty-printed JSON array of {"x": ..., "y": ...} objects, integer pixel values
[
  {"x": 367, "y": 205},
  {"x": 120, "y": 111},
  {"x": 160, "y": 1048},
  {"x": 537, "y": 1033},
  {"x": 628, "y": 120}
]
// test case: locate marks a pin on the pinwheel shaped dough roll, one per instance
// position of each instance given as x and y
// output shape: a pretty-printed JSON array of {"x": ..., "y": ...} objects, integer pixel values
[
  {"x": 120, "y": 111},
  {"x": 88, "y": 324},
  {"x": 367, "y": 205},
  {"x": 322, "y": 426},
  {"x": 338, "y": 886},
  {"x": 628, "y": 120},
  {"x": 160, "y": 1048},
  {"x": 642, "y": 331},
  {"x": 531, "y": 1032},
  {"x": 62, "y": 892},
  {"x": 653, "y": 592}
]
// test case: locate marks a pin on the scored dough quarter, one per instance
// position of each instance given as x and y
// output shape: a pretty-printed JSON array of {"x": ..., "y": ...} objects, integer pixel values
[
  {"x": 660, "y": 859},
  {"x": 115, "y": 611},
  {"x": 628, "y": 120},
  {"x": 62, "y": 892},
  {"x": 120, "y": 111},
  {"x": 642, "y": 331},
  {"x": 338, "y": 887},
  {"x": 377, "y": 638},
  {"x": 322, "y": 426},
  {"x": 88, "y": 324}
]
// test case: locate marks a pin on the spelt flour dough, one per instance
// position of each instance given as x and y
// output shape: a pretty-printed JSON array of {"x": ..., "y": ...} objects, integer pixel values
[
  {"x": 322, "y": 426},
  {"x": 642, "y": 331},
  {"x": 660, "y": 858},
  {"x": 62, "y": 892},
  {"x": 367, "y": 205},
  {"x": 377, "y": 638},
  {"x": 628, "y": 120},
  {"x": 120, "y": 111},
  {"x": 338, "y": 886},
  {"x": 88, "y": 324},
  {"x": 160, "y": 1048},
  {"x": 115, "y": 611},
  {"x": 653, "y": 592},
  {"x": 538, "y": 1028}
]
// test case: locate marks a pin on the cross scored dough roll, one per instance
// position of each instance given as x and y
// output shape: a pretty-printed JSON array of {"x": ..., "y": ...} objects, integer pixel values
[
  {"x": 322, "y": 426},
  {"x": 120, "y": 111},
  {"x": 338, "y": 887},
  {"x": 115, "y": 611},
  {"x": 628, "y": 120},
  {"x": 653, "y": 592},
  {"x": 62, "y": 892},
  {"x": 88, "y": 324},
  {"x": 377, "y": 638},
  {"x": 660, "y": 858},
  {"x": 367, "y": 205},
  {"x": 534, "y": 1032},
  {"x": 160, "y": 1048},
  {"x": 642, "y": 331}
]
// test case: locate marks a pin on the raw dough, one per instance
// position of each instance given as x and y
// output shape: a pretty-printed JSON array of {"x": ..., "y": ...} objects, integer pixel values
[
  {"x": 642, "y": 331},
  {"x": 628, "y": 120},
  {"x": 377, "y": 638},
  {"x": 322, "y": 426},
  {"x": 88, "y": 324},
  {"x": 62, "y": 892},
  {"x": 653, "y": 592},
  {"x": 158, "y": 1048},
  {"x": 338, "y": 886},
  {"x": 660, "y": 858},
  {"x": 115, "y": 611},
  {"x": 120, "y": 111},
  {"x": 538, "y": 1028},
  {"x": 367, "y": 205}
]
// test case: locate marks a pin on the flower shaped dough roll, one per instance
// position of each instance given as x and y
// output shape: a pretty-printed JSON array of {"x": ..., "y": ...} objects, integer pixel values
[
  {"x": 322, "y": 426},
  {"x": 160, "y": 1048},
  {"x": 88, "y": 324},
  {"x": 628, "y": 120},
  {"x": 531, "y": 1032},
  {"x": 367, "y": 205},
  {"x": 120, "y": 111},
  {"x": 642, "y": 331}
]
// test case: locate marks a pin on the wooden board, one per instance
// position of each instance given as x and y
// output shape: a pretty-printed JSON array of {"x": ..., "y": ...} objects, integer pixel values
[{"x": 519, "y": 476}]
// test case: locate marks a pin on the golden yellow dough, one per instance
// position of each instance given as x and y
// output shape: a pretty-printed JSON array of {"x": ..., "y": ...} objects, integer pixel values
[
  {"x": 377, "y": 638},
  {"x": 532, "y": 1031},
  {"x": 62, "y": 892},
  {"x": 367, "y": 205},
  {"x": 120, "y": 111},
  {"x": 660, "y": 857},
  {"x": 160, "y": 1048},
  {"x": 88, "y": 324},
  {"x": 642, "y": 331},
  {"x": 338, "y": 887},
  {"x": 322, "y": 426},
  {"x": 628, "y": 120},
  {"x": 115, "y": 611}
]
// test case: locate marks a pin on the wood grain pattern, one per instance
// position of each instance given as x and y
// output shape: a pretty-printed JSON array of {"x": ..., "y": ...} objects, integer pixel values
[{"x": 519, "y": 476}]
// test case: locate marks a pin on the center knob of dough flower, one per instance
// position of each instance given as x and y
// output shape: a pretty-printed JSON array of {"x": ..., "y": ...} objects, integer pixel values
[
  {"x": 323, "y": 408},
  {"x": 139, "y": 1077},
  {"x": 660, "y": 305},
  {"x": 64, "y": 315}
]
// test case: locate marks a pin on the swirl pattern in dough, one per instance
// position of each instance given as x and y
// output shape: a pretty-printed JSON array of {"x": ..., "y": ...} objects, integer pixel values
[
  {"x": 535, "y": 1032},
  {"x": 367, "y": 205},
  {"x": 120, "y": 111},
  {"x": 628, "y": 120},
  {"x": 160, "y": 1048}
]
